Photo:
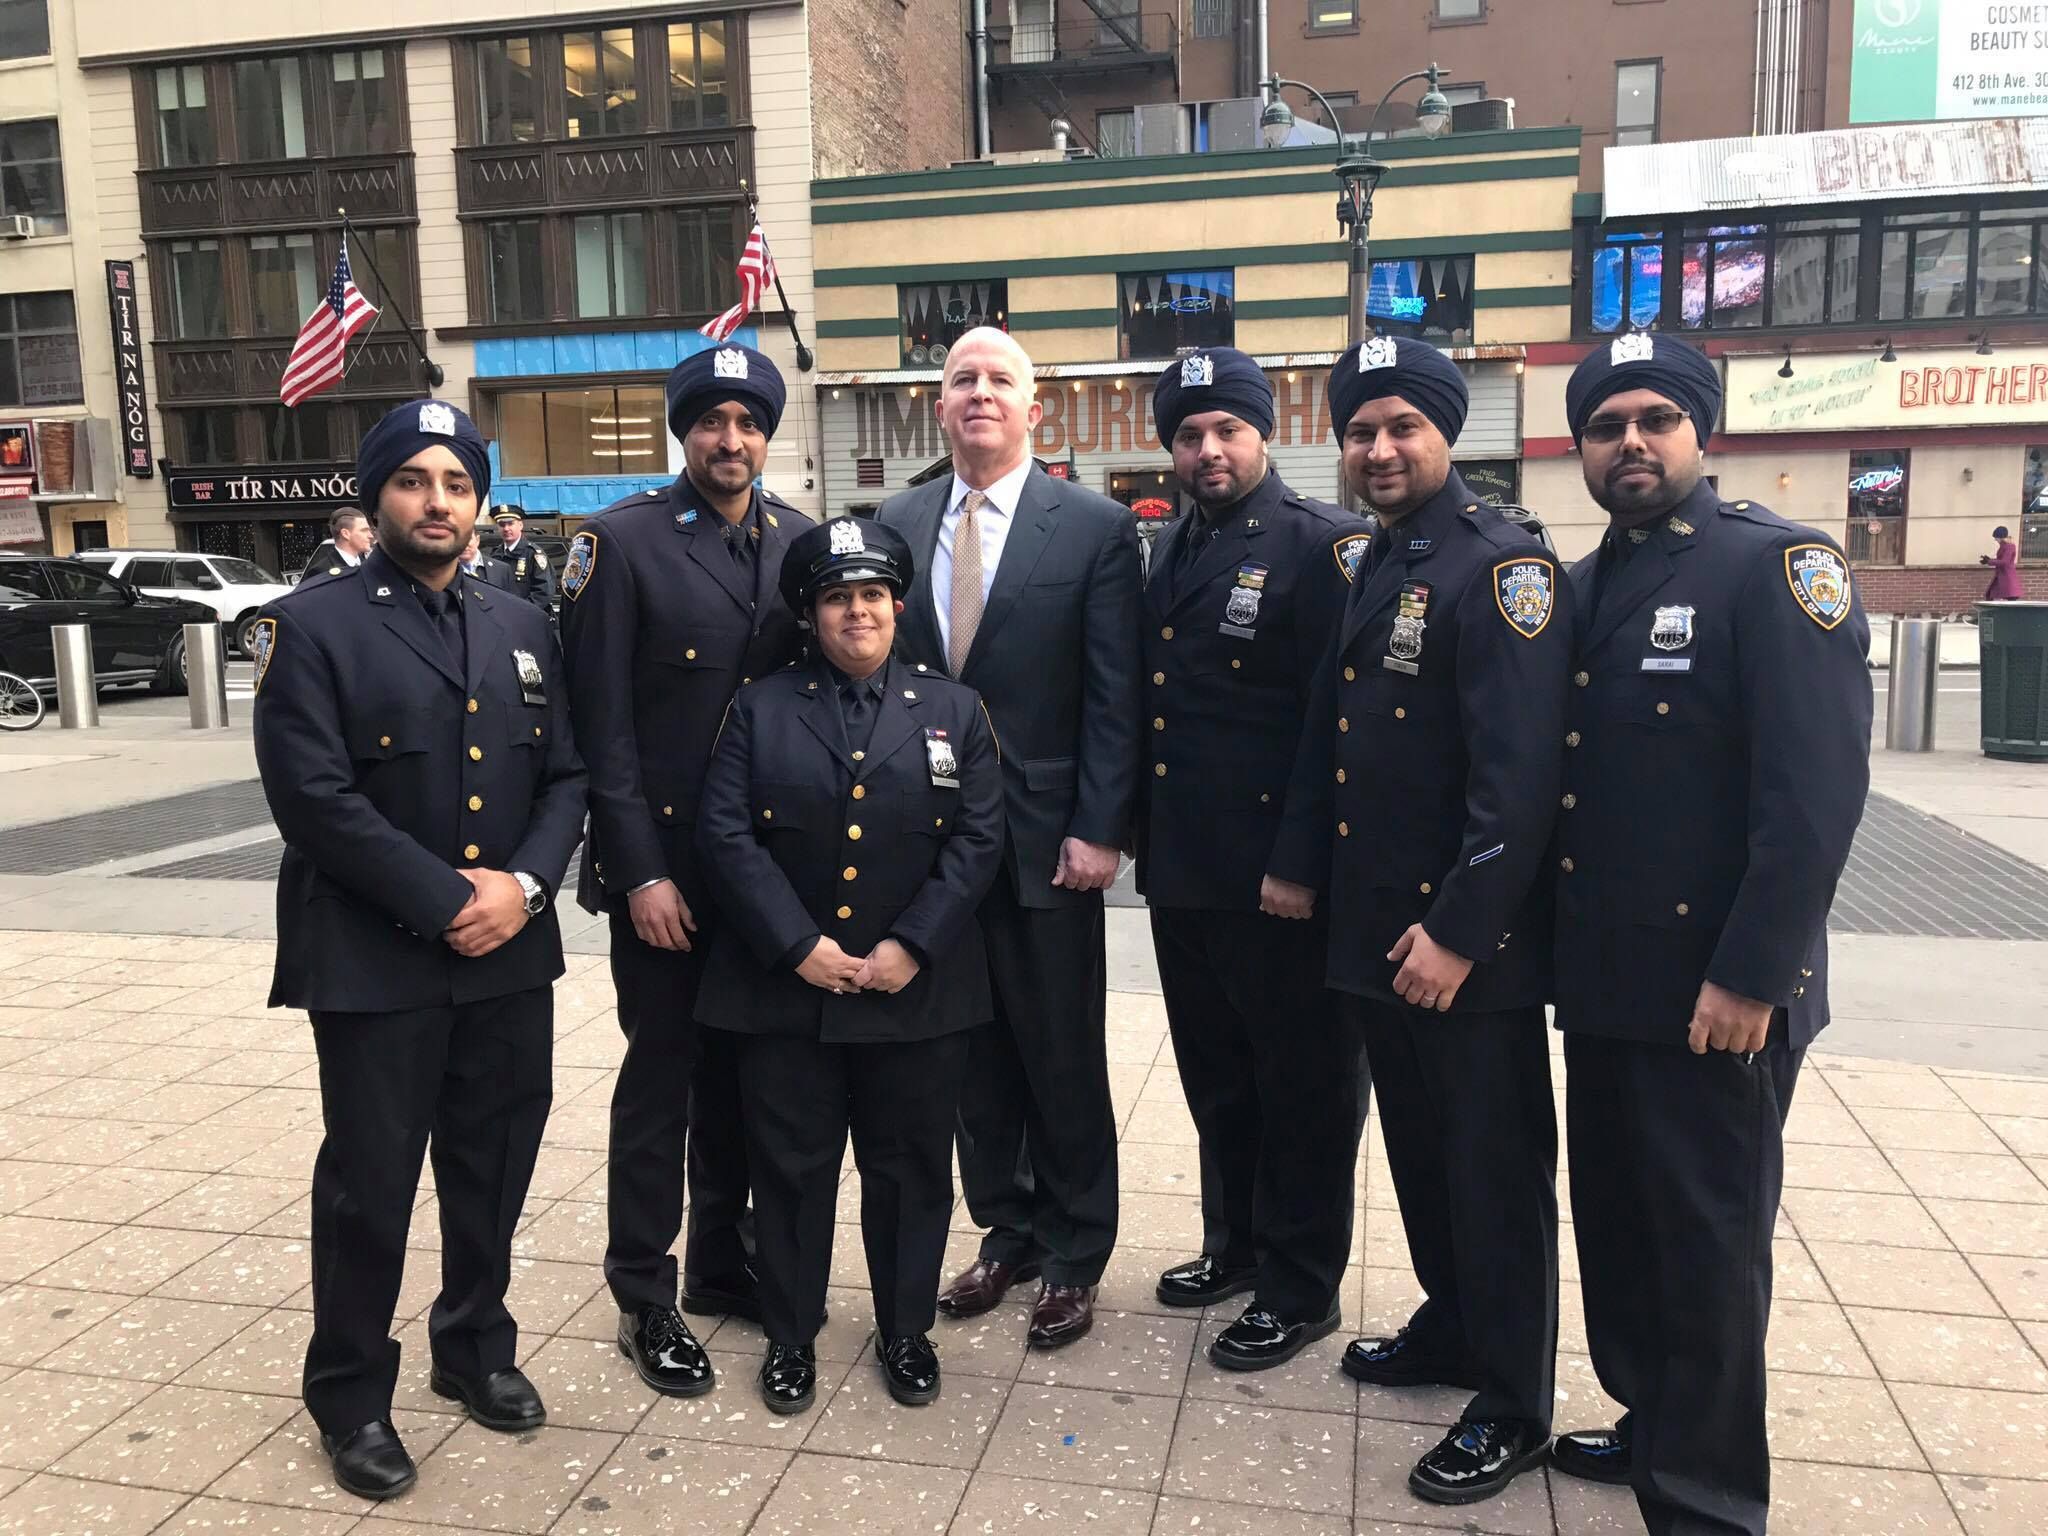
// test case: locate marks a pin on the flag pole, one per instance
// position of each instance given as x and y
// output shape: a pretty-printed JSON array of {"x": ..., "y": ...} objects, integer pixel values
[
  {"x": 434, "y": 376},
  {"x": 804, "y": 360}
]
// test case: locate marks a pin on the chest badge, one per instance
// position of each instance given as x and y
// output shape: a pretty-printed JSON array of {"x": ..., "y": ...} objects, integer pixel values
[
  {"x": 938, "y": 754},
  {"x": 1671, "y": 628},
  {"x": 531, "y": 689},
  {"x": 1411, "y": 616}
]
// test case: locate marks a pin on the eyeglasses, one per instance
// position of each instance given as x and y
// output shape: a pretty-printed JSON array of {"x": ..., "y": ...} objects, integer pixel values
[{"x": 1658, "y": 423}]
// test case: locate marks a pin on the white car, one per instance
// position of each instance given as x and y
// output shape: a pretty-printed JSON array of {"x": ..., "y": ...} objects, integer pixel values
[{"x": 232, "y": 587}]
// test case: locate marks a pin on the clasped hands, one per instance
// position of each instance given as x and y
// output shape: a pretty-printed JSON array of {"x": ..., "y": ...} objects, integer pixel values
[
  {"x": 887, "y": 968},
  {"x": 494, "y": 913}
]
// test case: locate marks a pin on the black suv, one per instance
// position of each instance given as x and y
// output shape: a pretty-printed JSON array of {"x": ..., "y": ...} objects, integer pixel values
[{"x": 135, "y": 638}]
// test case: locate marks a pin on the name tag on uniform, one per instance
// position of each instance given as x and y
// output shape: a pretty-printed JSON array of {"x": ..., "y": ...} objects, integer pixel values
[
  {"x": 1667, "y": 663},
  {"x": 938, "y": 753},
  {"x": 1395, "y": 664},
  {"x": 530, "y": 688}
]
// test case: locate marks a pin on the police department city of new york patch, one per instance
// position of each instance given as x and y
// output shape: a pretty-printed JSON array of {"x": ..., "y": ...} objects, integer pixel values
[
  {"x": 1350, "y": 552},
  {"x": 262, "y": 646},
  {"x": 1526, "y": 592},
  {"x": 582, "y": 561},
  {"x": 1819, "y": 579}
]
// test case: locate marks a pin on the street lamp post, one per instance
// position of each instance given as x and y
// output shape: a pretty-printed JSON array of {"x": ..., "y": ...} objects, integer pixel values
[{"x": 1358, "y": 173}]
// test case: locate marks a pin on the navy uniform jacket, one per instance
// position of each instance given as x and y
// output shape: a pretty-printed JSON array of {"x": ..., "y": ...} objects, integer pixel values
[
  {"x": 527, "y": 572},
  {"x": 326, "y": 561},
  {"x": 800, "y": 839},
  {"x": 1229, "y": 651},
  {"x": 387, "y": 771},
  {"x": 1717, "y": 756},
  {"x": 659, "y": 631},
  {"x": 1436, "y": 740},
  {"x": 1055, "y": 660},
  {"x": 492, "y": 573}
]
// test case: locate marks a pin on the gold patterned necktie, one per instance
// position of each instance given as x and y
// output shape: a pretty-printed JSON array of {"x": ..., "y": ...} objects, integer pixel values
[{"x": 964, "y": 610}]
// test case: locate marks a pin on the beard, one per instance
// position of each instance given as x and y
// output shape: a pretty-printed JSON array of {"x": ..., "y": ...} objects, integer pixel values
[{"x": 1659, "y": 491}]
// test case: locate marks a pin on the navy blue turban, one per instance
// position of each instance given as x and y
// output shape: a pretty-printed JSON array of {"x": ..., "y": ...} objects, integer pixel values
[
  {"x": 1678, "y": 371},
  {"x": 718, "y": 374},
  {"x": 1396, "y": 365},
  {"x": 403, "y": 432},
  {"x": 1213, "y": 379}
]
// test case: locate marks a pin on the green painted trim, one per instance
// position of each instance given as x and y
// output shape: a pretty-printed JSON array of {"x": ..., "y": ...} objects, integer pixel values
[
  {"x": 1522, "y": 298},
  {"x": 1509, "y": 241},
  {"x": 881, "y": 325},
  {"x": 1586, "y": 205},
  {"x": 1514, "y": 141},
  {"x": 1199, "y": 189},
  {"x": 1061, "y": 319},
  {"x": 1292, "y": 309}
]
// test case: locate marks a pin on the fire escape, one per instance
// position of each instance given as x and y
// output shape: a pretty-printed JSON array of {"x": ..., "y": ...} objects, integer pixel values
[{"x": 1110, "y": 39}]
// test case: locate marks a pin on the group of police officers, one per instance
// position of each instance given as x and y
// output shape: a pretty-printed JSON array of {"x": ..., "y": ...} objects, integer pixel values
[{"x": 853, "y": 793}]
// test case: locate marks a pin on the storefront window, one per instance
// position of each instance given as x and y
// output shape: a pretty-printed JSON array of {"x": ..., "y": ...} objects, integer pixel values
[
  {"x": 1430, "y": 297},
  {"x": 935, "y": 315},
  {"x": 507, "y": 98},
  {"x": 1161, "y": 314},
  {"x": 1877, "y": 507},
  {"x": 270, "y": 109},
  {"x": 697, "y": 87},
  {"x": 605, "y": 431},
  {"x": 1152, "y": 495},
  {"x": 2034, "y": 507},
  {"x": 603, "y": 96}
]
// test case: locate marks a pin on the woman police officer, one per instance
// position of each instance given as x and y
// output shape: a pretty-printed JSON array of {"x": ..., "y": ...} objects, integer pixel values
[{"x": 851, "y": 823}]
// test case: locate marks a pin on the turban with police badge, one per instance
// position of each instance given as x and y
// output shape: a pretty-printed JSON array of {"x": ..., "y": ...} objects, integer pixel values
[
  {"x": 405, "y": 431},
  {"x": 1681, "y": 373},
  {"x": 718, "y": 374},
  {"x": 1397, "y": 365},
  {"x": 1213, "y": 379}
]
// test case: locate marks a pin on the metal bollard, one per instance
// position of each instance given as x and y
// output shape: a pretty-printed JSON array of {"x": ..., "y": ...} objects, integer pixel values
[
  {"x": 1911, "y": 694},
  {"x": 78, "y": 700},
  {"x": 206, "y": 676}
]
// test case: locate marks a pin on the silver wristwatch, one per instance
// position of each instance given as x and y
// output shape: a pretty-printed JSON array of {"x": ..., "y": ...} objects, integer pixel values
[{"x": 536, "y": 893}]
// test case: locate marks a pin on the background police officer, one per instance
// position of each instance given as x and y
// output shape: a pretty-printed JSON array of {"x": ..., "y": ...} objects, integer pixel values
[
  {"x": 349, "y": 538},
  {"x": 671, "y": 602},
  {"x": 1446, "y": 693},
  {"x": 1716, "y": 765},
  {"x": 1241, "y": 600},
  {"x": 852, "y": 821},
  {"x": 412, "y": 731},
  {"x": 525, "y": 563}
]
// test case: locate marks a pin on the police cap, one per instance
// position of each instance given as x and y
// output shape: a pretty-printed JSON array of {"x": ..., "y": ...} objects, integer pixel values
[{"x": 843, "y": 549}]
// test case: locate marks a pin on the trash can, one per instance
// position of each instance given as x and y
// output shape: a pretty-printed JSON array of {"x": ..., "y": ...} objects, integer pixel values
[{"x": 2013, "y": 641}]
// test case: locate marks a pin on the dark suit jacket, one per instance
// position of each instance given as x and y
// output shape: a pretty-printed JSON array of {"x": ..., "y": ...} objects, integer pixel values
[
  {"x": 799, "y": 839},
  {"x": 1440, "y": 752},
  {"x": 326, "y": 561},
  {"x": 388, "y": 770},
  {"x": 1055, "y": 660},
  {"x": 1718, "y": 759},
  {"x": 659, "y": 630},
  {"x": 1230, "y": 650},
  {"x": 492, "y": 573}
]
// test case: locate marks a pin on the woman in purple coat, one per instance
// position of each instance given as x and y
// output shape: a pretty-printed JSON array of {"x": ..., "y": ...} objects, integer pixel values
[{"x": 2005, "y": 574}]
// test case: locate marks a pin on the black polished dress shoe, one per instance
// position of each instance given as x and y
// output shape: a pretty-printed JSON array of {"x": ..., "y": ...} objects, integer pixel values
[
  {"x": 911, "y": 1367},
  {"x": 665, "y": 1352},
  {"x": 1401, "y": 1362},
  {"x": 504, "y": 1400},
  {"x": 1261, "y": 1339},
  {"x": 734, "y": 1295},
  {"x": 1204, "y": 1281},
  {"x": 1597, "y": 1455},
  {"x": 371, "y": 1462},
  {"x": 1477, "y": 1459},
  {"x": 789, "y": 1377}
]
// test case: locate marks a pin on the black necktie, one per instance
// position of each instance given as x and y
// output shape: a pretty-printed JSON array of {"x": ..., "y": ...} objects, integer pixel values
[
  {"x": 857, "y": 714},
  {"x": 739, "y": 544},
  {"x": 1200, "y": 532},
  {"x": 444, "y": 608},
  {"x": 1619, "y": 549}
]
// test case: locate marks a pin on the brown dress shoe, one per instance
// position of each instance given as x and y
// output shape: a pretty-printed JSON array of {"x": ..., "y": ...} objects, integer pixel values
[
  {"x": 981, "y": 1285},
  {"x": 1061, "y": 1315}
]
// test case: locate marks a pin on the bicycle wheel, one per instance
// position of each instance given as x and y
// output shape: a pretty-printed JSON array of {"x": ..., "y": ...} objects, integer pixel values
[{"x": 21, "y": 707}]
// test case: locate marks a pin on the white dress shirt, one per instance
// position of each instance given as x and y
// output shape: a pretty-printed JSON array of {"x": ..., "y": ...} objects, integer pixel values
[
  {"x": 993, "y": 520},
  {"x": 349, "y": 559}
]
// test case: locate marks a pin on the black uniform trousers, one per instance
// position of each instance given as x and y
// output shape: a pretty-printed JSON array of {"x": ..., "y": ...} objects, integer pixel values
[
  {"x": 1677, "y": 1162},
  {"x": 1269, "y": 1066},
  {"x": 478, "y": 1079},
  {"x": 1037, "y": 1129},
  {"x": 1471, "y": 1133},
  {"x": 800, "y": 1098},
  {"x": 676, "y": 1102}
]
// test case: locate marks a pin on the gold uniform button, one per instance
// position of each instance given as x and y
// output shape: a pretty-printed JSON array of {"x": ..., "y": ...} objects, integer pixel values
[
  {"x": 690, "y": 655},
  {"x": 938, "y": 821},
  {"x": 1166, "y": 633},
  {"x": 1582, "y": 678},
  {"x": 1566, "y": 865},
  {"x": 536, "y": 730},
  {"x": 1350, "y": 674},
  {"x": 1805, "y": 972},
  {"x": 472, "y": 852},
  {"x": 767, "y": 815},
  {"x": 1265, "y": 799},
  {"x": 849, "y": 873},
  {"x": 1570, "y": 801},
  {"x": 1799, "y": 991},
  {"x": 1158, "y": 678},
  {"x": 1343, "y": 724},
  {"x": 853, "y": 833},
  {"x": 860, "y": 791},
  {"x": 1340, "y": 775},
  {"x": 1235, "y": 663},
  {"x": 846, "y": 911},
  {"x": 476, "y": 754},
  {"x": 859, "y": 757},
  {"x": 1571, "y": 738},
  {"x": 745, "y": 680},
  {"x": 1343, "y": 829},
  {"x": 476, "y": 802},
  {"x": 1663, "y": 708},
  {"x": 383, "y": 741},
  {"x": 1400, "y": 712},
  {"x": 1684, "y": 909},
  {"x": 668, "y": 810},
  {"x": 1158, "y": 722},
  {"x": 1425, "y": 887},
  {"x": 1742, "y": 506},
  {"x": 472, "y": 706},
  {"x": 1159, "y": 770}
]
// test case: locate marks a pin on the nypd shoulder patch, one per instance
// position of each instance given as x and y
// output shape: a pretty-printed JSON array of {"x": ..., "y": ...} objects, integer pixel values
[
  {"x": 1350, "y": 552},
  {"x": 581, "y": 562},
  {"x": 1525, "y": 590},
  {"x": 1819, "y": 579},
  {"x": 263, "y": 646}
]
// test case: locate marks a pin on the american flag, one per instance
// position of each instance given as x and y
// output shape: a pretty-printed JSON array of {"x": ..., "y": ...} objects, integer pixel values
[
  {"x": 756, "y": 274},
  {"x": 315, "y": 363}
]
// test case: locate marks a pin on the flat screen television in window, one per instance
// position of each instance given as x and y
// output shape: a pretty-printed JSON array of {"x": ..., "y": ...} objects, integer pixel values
[
  {"x": 1428, "y": 297},
  {"x": 935, "y": 315},
  {"x": 1161, "y": 314}
]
